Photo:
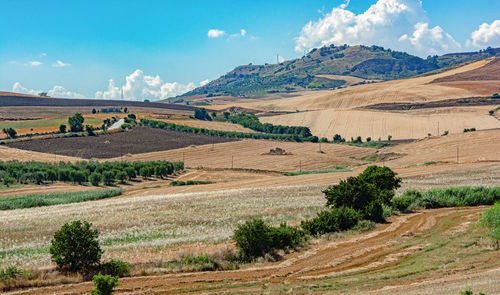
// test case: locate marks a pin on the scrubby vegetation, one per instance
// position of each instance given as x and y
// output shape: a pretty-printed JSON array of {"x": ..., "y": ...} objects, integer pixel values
[
  {"x": 449, "y": 197},
  {"x": 50, "y": 199},
  {"x": 83, "y": 172},
  {"x": 104, "y": 284},
  {"x": 491, "y": 219},
  {"x": 330, "y": 170},
  {"x": 189, "y": 182},
  {"x": 350, "y": 202}
]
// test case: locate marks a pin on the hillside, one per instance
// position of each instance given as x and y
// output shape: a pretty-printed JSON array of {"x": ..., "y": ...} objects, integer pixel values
[{"x": 314, "y": 70}]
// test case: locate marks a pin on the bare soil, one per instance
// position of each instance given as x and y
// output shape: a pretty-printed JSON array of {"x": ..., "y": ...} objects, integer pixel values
[
  {"x": 491, "y": 71},
  {"x": 138, "y": 140}
]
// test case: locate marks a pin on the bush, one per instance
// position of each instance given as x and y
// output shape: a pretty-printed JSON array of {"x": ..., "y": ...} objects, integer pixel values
[
  {"x": 104, "y": 284},
  {"x": 468, "y": 291},
  {"x": 121, "y": 176},
  {"x": 90, "y": 130},
  {"x": 95, "y": 178},
  {"x": 253, "y": 239},
  {"x": 130, "y": 172},
  {"x": 115, "y": 268},
  {"x": 62, "y": 128},
  {"x": 336, "y": 219},
  {"x": 495, "y": 95},
  {"x": 75, "y": 247}
]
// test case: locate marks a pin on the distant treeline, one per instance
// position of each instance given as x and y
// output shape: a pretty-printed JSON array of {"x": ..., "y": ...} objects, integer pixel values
[
  {"x": 252, "y": 121},
  {"x": 231, "y": 134},
  {"x": 84, "y": 171}
]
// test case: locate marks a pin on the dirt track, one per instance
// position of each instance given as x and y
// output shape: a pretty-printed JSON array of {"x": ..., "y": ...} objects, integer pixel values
[{"x": 371, "y": 252}]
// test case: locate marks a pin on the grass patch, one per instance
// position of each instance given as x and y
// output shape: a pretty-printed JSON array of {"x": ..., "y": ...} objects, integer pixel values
[
  {"x": 450, "y": 197},
  {"x": 40, "y": 200},
  {"x": 371, "y": 144},
  {"x": 16, "y": 185},
  {"x": 189, "y": 182},
  {"x": 329, "y": 170}
]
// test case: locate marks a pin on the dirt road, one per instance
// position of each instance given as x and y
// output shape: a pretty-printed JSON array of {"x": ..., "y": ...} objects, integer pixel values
[{"x": 372, "y": 252}]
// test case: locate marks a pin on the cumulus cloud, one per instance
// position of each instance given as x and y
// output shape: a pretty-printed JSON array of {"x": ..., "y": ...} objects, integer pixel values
[
  {"x": 280, "y": 59},
  {"x": 432, "y": 41},
  {"x": 60, "y": 64},
  {"x": 139, "y": 86},
  {"x": 243, "y": 32},
  {"x": 204, "y": 82},
  {"x": 396, "y": 24},
  {"x": 56, "y": 91},
  {"x": 486, "y": 35},
  {"x": 34, "y": 63},
  {"x": 214, "y": 33}
]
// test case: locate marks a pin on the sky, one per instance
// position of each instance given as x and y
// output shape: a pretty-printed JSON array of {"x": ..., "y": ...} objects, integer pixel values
[{"x": 159, "y": 49}]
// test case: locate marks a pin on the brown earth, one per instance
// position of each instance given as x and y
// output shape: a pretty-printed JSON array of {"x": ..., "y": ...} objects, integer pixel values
[
  {"x": 372, "y": 254},
  {"x": 137, "y": 140},
  {"x": 489, "y": 72}
]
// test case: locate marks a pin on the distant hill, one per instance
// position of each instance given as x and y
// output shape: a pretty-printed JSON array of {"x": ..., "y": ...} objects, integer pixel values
[{"x": 312, "y": 70}]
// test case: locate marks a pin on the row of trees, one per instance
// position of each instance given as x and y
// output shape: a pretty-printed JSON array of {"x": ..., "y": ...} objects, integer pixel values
[
  {"x": 84, "y": 171},
  {"x": 229, "y": 134}
]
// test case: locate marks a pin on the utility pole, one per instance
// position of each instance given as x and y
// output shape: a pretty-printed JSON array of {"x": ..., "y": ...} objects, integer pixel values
[
  {"x": 232, "y": 162},
  {"x": 457, "y": 156},
  {"x": 438, "y": 129},
  {"x": 300, "y": 165}
]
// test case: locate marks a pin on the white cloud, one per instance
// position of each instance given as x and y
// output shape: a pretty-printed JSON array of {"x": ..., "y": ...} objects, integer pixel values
[
  {"x": 204, "y": 82},
  {"x": 56, "y": 91},
  {"x": 432, "y": 41},
  {"x": 43, "y": 54},
  {"x": 34, "y": 63},
  {"x": 243, "y": 32},
  {"x": 60, "y": 64},
  {"x": 387, "y": 23},
  {"x": 139, "y": 87},
  {"x": 486, "y": 35},
  {"x": 280, "y": 59},
  {"x": 214, "y": 33}
]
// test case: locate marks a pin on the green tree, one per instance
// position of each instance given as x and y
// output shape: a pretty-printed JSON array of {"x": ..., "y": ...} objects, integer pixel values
[
  {"x": 10, "y": 132},
  {"x": 130, "y": 172},
  {"x": 79, "y": 177},
  {"x": 76, "y": 122},
  {"x": 384, "y": 180},
  {"x": 95, "y": 178},
  {"x": 253, "y": 238},
  {"x": 104, "y": 284},
  {"x": 62, "y": 128},
  {"x": 94, "y": 111},
  {"x": 108, "y": 178},
  {"x": 75, "y": 247},
  {"x": 90, "y": 130},
  {"x": 121, "y": 176}
]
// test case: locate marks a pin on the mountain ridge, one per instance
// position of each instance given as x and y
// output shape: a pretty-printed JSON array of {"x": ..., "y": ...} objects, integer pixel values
[{"x": 370, "y": 63}]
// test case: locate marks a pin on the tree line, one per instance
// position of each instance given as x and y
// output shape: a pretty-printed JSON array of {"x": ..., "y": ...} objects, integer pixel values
[{"x": 84, "y": 171}]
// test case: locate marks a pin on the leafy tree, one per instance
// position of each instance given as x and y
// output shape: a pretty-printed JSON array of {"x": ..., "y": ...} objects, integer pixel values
[
  {"x": 104, "y": 284},
  {"x": 76, "y": 122},
  {"x": 202, "y": 114},
  {"x": 337, "y": 138},
  {"x": 62, "y": 128},
  {"x": 253, "y": 238},
  {"x": 384, "y": 180},
  {"x": 79, "y": 177},
  {"x": 226, "y": 115},
  {"x": 108, "y": 178},
  {"x": 130, "y": 172},
  {"x": 94, "y": 111},
  {"x": 75, "y": 247},
  {"x": 125, "y": 110},
  {"x": 495, "y": 95},
  {"x": 121, "y": 176},
  {"x": 10, "y": 132},
  {"x": 95, "y": 178}
]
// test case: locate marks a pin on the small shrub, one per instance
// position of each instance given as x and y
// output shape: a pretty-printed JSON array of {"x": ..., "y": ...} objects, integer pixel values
[
  {"x": 445, "y": 133},
  {"x": 62, "y": 128},
  {"x": 285, "y": 237},
  {"x": 75, "y": 247},
  {"x": 115, "y": 268},
  {"x": 108, "y": 178},
  {"x": 10, "y": 132},
  {"x": 253, "y": 239},
  {"x": 121, "y": 176},
  {"x": 334, "y": 220},
  {"x": 104, "y": 284},
  {"x": 495, "y": 95},
  {"x": 491, "y": 218},
  {"x": 468, "y": 291}
]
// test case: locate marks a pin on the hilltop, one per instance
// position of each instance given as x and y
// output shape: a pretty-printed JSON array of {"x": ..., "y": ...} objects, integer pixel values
[{"x": 330, "y": 67}]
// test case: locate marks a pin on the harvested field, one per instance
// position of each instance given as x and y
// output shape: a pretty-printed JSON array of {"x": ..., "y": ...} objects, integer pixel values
[
  {"x": 489, "y": 72},
  {"x": 253, "y": 154},
  {"x": 413, "y": 124},
  {"x": 464, "y": 102},
  {"x": 138, "y": 140}
]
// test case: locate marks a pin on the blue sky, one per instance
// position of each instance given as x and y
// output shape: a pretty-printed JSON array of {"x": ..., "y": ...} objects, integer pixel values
[{"x": 156, "y": 49}]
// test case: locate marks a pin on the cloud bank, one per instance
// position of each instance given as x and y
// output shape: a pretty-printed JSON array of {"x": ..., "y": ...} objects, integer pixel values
[
  {"x": 139, "y": 86},
  {"x": 396, "y": 24},
  {"x": 56, "y": 91}
]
